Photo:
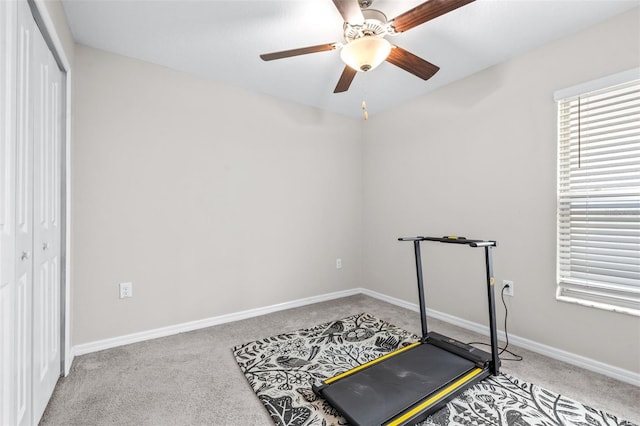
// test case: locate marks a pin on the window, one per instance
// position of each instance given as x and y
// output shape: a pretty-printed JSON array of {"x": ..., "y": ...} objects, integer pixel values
[{"x": 598, "y": 259}]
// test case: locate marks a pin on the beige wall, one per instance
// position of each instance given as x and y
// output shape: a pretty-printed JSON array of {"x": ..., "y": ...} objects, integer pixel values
[
  {"x": 210, "y": 199},
  {"x": 478, "y": 158}
]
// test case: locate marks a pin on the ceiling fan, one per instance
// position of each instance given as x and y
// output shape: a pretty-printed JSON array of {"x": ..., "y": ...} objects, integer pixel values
[{"x": 366, "y": 46}]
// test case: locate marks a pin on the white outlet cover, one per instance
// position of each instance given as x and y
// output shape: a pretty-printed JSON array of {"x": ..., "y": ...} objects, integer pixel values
[
  {"x": 508, "y": 291},
  {"x": 126, "y": 290}
]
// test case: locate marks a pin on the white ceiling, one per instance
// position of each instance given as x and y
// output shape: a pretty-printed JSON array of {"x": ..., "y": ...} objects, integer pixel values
[{"x": 221, "y": 40}]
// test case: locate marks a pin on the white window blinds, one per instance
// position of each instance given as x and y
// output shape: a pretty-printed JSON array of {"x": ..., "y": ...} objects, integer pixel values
[{"x": 599, "y": 198}]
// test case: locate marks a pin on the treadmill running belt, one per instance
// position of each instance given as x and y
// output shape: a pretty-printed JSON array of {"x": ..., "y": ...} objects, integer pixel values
[{"x": 378, "y": 393}]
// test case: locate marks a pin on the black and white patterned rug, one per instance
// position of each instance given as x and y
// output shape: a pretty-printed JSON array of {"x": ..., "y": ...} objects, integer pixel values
[{"x": 282, "y": 368}]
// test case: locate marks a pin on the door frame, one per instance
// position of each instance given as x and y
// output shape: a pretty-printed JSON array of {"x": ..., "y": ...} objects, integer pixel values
[{"x": 48, "y": 30}]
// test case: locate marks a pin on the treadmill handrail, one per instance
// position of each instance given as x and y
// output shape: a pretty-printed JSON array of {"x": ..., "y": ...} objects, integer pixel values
[
  {"x": 488, "y": 246},
  {"x": 453, "y": 240}
]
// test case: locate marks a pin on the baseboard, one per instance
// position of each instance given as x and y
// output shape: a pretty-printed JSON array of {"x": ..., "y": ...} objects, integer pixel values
[
  {"x": 559, "y": 354},
  {"x": 100, "y": 345},
  {"x": 568, "y": 357}
]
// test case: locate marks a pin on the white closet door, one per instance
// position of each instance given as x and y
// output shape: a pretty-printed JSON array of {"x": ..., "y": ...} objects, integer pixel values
[
  {"x": 30, "y": 232},
  {"x": 24, "y": 213},
  {"x": 47, "y": 129},
  {"x": 8, "y": 31},
  {"x": 31, "y": 121}
]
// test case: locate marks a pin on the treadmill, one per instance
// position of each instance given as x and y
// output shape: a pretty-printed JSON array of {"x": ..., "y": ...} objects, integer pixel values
[{"x": 405, "y": 386}]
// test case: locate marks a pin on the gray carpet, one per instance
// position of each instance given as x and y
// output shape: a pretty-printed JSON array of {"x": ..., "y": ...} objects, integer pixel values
[{"x": 192, "y": 378}]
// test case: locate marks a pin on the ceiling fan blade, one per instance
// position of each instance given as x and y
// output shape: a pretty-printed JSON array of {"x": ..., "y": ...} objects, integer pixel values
[
  {"x": 296, "y": 52},
  {"x": 350, "y": 11},
  {"x": 345, "y": 79},
  {"x": 425, "y": 12},
  {"x": 412, "y": 63}
]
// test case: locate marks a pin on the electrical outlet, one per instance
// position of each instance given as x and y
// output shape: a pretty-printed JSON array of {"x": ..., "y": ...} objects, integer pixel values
[
  {"x": 338, "y": 263},
  {"x": 507, "y": 285},
  {"x": 126, "y": 290}
]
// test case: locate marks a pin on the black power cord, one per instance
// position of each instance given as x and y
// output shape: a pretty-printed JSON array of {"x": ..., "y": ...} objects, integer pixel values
[{"x": 515, "y": 356}]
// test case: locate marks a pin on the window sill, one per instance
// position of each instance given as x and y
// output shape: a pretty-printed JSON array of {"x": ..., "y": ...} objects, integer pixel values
[{"x": 597, "y": 305}]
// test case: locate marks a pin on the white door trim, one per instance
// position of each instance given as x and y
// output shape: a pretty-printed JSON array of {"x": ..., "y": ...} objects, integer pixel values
[{"x": 49, "y": 31}]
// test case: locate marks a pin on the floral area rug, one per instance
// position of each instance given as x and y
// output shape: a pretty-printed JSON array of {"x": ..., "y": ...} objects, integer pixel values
[{"x": 282, "y": 368}]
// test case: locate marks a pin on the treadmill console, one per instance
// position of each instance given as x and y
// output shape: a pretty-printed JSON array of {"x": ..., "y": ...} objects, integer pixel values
[{"x": 469, "y": 352}]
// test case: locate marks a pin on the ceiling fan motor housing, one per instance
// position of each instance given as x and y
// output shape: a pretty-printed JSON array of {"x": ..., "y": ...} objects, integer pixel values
[{"x": 375, "y": 24}]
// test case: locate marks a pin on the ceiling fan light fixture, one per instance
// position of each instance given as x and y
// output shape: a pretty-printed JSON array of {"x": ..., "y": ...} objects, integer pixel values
[{"x": 365, "y": 53}]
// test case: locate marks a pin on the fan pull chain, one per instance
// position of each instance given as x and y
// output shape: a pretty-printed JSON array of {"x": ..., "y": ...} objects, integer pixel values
[{"x": 365, "y": 80}]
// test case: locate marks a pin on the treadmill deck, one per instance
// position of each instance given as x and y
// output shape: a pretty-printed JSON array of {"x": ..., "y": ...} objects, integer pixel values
[{"x": 384, "y": 390}]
